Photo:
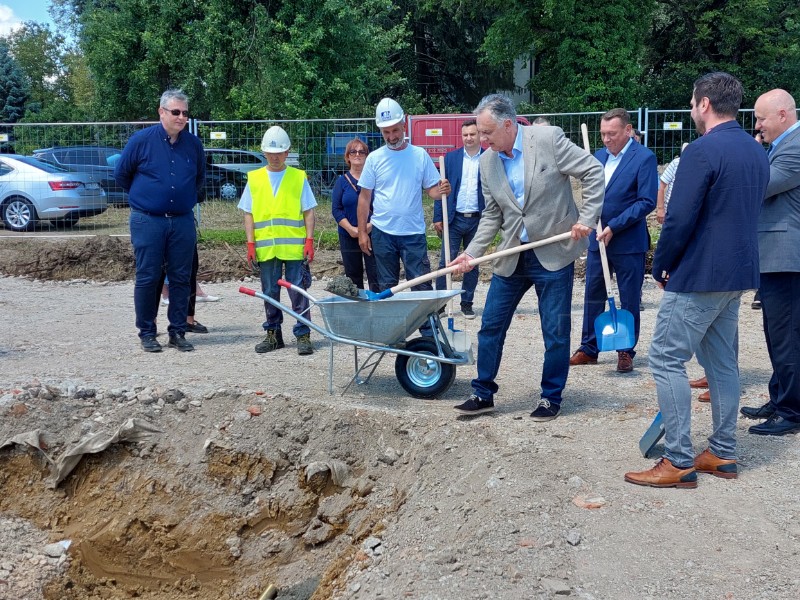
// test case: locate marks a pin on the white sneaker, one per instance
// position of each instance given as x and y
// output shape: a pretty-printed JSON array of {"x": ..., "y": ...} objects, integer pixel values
[
  {"x": 208, "y": 298},
  {"x": 165, "y": 302}
]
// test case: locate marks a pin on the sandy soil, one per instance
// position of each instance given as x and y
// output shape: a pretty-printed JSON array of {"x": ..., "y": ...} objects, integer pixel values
[{"x": 259, "y": 476}]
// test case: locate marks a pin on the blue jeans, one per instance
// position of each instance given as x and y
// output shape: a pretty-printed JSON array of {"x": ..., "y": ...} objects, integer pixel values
[
  {"x": 390, "y": 249},
  {"x": 271, "y": 271},
  {"x": 705, "y": 323},
  {"x": 160, "y": 242},
  {"x": 461, "y": 230},
  {"x": 554, "y": 292}
]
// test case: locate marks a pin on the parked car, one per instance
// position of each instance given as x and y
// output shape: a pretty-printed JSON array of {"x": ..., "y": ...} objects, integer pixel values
[
  {"x": 32, "y": 190},
  {"x": 243, "y": 160},
  {"x": 98, "y": 161},
  {"x": 226, "y": 170}
]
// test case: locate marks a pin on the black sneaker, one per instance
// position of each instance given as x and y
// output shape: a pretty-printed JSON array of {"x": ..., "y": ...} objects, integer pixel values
[
  {"x": 179, "y": 342},
  {"x": 545, "y": 411},
  {"x": 150, "y": 344},
  {"x": 467, "y": 310},
  {"x": 196, "y": 327},
  {"x": 475, "y": 405}
]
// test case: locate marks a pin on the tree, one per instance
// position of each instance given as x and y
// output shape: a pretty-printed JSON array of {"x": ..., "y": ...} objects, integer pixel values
[
  {"x": 37, "y": 51},
  {"x": 14, "y": 91},
  {"x": 756, "y": 40}
]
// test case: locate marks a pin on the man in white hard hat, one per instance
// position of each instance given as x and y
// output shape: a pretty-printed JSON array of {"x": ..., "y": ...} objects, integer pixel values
[
  {"x": 279, "y": 223},
  {"x": 397, "y": 172}
]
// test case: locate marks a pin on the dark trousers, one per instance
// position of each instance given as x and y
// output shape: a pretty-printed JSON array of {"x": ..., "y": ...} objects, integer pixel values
[
  {"x": 192, "y": 283},
  {"x": 629, "y": 269},
  {"x": 356, "y": 262},
  {"x": 461, "y": 231},
  {"x": 389, "y": 250},
  {"x": 780, "y": 307},
  {"x": 159, "y": 241}
]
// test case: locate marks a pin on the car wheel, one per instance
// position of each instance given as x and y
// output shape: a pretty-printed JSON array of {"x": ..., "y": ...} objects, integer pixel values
[
  {"x": 65, "y": 223},
  {"x": 228, "y": 190},
  {"x": 19, "y": 214}
]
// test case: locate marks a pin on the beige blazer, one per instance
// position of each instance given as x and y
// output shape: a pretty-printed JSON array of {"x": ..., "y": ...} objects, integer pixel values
[{"x": 549, "y": 208}]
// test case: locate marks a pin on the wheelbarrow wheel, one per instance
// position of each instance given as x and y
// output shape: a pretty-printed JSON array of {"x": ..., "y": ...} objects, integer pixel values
[{"x": 421, "y": 377}]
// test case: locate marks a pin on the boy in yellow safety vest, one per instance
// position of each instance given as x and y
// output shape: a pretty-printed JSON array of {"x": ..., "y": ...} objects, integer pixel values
[{"x": 279, "y": 222}]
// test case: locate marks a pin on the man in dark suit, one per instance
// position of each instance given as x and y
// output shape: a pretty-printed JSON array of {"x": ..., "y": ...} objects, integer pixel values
[
  {"x": 779, "y": 256},
  {"x": 707, "y": 256},
  {"x": 631, "y": 174},
  {"x": 525, "y": 176},
  {"x": 464, "y": 207}
]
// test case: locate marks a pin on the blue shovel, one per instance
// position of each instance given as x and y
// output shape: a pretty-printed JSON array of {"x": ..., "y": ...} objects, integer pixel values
[{"x": 614, "y": 328}]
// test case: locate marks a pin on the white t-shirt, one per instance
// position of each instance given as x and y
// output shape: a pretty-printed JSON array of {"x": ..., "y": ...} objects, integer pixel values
[
  {"x": 307, "y": 200},
  {"x": 398, "y": 178}
]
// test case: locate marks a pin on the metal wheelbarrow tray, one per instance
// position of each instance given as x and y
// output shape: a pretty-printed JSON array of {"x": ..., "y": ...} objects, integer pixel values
[{"x": 425, "y": 366}]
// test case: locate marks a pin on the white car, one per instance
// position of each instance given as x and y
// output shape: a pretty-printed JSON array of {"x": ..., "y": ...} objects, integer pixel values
[{"x": 33, "y": 191}]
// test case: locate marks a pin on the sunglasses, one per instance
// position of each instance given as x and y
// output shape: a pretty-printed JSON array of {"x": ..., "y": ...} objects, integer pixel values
[
  {"x": 361, "y": 152},
  {"x": 177, "y": 112}
]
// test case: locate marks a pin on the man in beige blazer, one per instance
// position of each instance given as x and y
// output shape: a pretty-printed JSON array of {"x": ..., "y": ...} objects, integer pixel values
[{"x": 525, "y": 179}]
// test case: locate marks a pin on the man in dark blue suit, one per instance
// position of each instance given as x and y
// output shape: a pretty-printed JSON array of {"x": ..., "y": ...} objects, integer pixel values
[
  {"x": 631, "y": 172},
  {"x": 464, "y": 206},
  {"x": 707, "y": 256}
]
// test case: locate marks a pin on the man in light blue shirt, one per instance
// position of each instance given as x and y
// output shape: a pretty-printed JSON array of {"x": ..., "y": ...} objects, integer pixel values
[{"x": 397, "y": 172}]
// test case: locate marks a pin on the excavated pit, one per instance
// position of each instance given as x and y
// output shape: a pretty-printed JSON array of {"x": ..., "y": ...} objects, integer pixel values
[{"x": 238, "y": 493}]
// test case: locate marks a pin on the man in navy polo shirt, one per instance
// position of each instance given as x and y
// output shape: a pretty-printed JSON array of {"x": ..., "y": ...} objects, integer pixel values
[{"x": 163, "y": 170}]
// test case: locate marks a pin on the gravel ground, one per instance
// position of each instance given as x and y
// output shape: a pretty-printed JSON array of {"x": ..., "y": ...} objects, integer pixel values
[{"x": 260, "y": 476}]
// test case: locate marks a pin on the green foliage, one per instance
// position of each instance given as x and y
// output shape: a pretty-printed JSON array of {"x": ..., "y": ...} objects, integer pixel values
[{"x": 14, "y": 89}]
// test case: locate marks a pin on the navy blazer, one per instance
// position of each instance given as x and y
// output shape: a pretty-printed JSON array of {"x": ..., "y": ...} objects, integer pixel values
[
  {"x": 709, "y": 241},
  {"x": 630, "y": 197},
  {"x": 453, "y": 164}
]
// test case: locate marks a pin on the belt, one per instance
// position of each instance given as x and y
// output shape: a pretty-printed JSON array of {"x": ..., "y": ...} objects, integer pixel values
[
  {"x": 168, "y": 215},
  {"x": 469, "y": 215}
]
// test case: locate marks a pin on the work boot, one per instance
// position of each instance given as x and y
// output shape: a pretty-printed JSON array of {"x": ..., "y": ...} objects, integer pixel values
[
  {"x": 273, "y": 341},
  {"x": 304, "y": 346},
  {"x": 663, "y": 474}
]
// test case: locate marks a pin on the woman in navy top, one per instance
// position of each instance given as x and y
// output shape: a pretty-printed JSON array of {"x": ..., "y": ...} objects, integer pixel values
[{"x": 344, "y": 206}]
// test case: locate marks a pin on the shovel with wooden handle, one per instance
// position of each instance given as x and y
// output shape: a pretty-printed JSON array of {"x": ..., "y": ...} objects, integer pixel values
[
  {"x": 446, "y": 237},
  {"x": 614, "y": 329},
  {"x": 369, "y": 295}
]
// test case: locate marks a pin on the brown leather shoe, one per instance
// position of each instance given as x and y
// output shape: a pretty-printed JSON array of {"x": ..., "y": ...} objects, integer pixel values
[
  {"x": 663, "y": 474},
  {"x": 699, "y": 383},
  {"x": 704, "y": 397},
  {"x": 707, "y": 462},
  {"x": 624, "y": 362},
  {"x": 579, "y": 357}
]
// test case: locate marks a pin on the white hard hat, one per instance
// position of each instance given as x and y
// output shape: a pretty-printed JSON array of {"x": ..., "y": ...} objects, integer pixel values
[
  {"x": 275, "y": 140},
  {"x": 388, "y": 113}
]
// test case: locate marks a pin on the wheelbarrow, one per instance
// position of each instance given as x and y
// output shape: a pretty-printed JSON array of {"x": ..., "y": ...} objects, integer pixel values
[{"x": 425, "y": 366}]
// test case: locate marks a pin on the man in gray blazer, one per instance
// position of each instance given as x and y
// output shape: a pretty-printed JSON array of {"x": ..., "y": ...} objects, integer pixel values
[
  {"x": 779, "y": 259},
  {"x": 525, "y": 180}
]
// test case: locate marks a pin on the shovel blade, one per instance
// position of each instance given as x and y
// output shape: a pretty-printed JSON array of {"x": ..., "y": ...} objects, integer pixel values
[
  {"x": 651, "y": 437},
  {"x": 614, "y": 329}
]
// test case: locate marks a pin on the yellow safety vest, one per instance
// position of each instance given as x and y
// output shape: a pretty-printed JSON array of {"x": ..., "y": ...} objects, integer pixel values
[{"x": 280, "y": 231}]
